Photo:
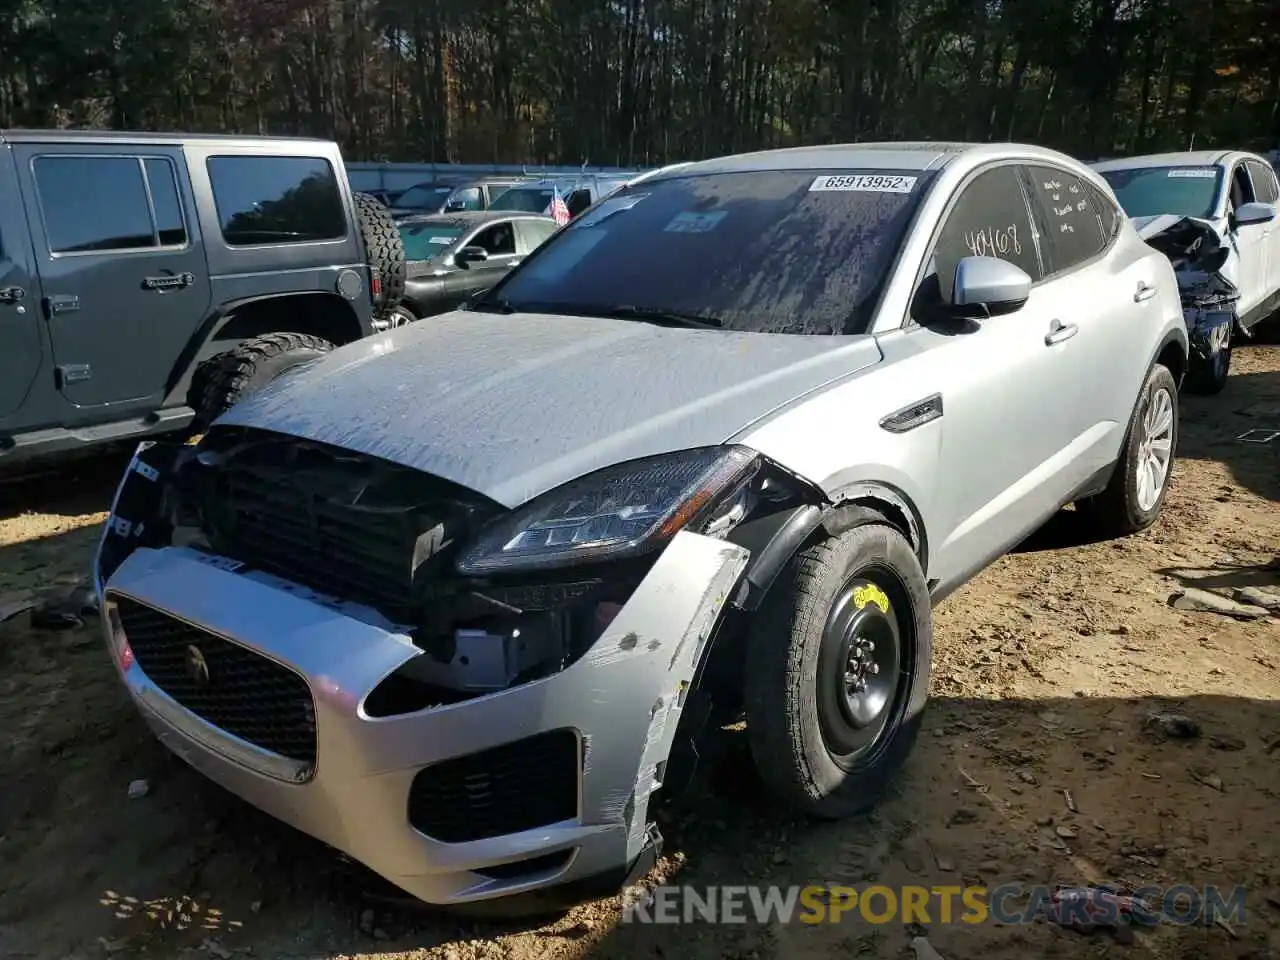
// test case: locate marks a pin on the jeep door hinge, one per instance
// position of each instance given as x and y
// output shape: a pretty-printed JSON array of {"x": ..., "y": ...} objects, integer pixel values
[{"x": 73, "y": 373}]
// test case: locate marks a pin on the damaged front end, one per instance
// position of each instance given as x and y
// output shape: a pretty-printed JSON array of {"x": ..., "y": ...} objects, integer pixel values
[
  {"x": 472, "y": 700},
  {"x": 1199, "y": 256}
]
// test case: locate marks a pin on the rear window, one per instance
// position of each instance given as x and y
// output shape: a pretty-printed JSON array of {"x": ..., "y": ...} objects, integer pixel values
[
  {"x": 424, "y": 197},
  {"x": 1152, "y": 191},
  {"x": 426, "y": 241},
  {"x": 524, "y": 200},
  {"x": 268, "y": 200},
  {"x": 800, "y": 252}
]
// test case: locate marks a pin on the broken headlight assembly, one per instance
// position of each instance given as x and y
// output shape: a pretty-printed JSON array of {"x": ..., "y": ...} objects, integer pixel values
[
  {"x": 547, "y": 579},
  {"x": 618, "y": 513}
]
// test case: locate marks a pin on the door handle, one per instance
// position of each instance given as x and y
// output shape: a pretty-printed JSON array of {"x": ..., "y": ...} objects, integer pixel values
[
  {"x": 12, "y": 294},
  {"x": 176, "y": 282},
  {"x": 1145, "y": 292},
  {"x": 1059, "y": 331}
]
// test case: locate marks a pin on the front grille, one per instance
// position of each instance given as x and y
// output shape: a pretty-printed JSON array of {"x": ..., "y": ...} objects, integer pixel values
[
  {"x": 343, "y": 524},
  {"x": 518, "y": 786},
  {"x": 239, "y": 691}
]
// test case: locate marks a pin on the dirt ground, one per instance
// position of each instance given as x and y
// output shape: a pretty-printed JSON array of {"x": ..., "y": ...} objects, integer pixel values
[{"x": 1047, "y": 670}]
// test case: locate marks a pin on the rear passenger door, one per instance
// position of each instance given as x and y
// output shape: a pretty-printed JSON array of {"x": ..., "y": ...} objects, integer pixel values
[
  {"x": 122, "y": 265},
  {"x": 1110, "y": 297}
]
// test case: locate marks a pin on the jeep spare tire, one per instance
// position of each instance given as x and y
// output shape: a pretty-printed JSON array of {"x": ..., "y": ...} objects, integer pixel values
[
  {"x": 223, "y": 380},
  {"x": 385, "y": 251}
]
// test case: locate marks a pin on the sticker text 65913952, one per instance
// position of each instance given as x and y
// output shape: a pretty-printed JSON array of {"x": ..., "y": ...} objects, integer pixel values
[{"x": 864, "y": 183}]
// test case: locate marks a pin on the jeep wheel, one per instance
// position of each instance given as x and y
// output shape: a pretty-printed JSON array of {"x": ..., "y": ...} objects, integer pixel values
[
  {"x": 1135, "y": 494},
  {"x": 400, "y": 316},
  {"x": 386, "y": 254},
  {"x": 837, "y": 671},
  {"x": 222, "y": 381}
]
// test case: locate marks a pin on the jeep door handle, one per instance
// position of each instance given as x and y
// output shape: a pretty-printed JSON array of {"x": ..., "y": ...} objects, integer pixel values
[
  {"x": 1059, "y": 331},
  {"x": 1145, "y": 291},
  {"x": 177, "y": 282}
]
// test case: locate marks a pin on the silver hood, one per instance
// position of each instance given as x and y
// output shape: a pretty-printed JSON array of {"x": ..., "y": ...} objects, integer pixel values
[{"x": 513, "y": 406}]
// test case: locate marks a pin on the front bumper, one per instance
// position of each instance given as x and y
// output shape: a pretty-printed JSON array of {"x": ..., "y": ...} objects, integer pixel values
[{"x": 622, "y": 700}]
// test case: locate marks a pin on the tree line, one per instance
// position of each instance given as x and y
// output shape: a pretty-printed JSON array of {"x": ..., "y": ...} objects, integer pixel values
[{"x": 639, "y": 82}]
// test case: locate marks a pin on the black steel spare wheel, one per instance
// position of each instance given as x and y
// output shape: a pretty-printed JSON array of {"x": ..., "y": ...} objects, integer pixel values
[
  {"x": 837, "y": 669},
  {"x": 859, "y": 667}
]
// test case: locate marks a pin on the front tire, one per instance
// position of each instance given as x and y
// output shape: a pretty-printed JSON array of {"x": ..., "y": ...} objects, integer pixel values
[
  {"x": 1135, "y": 495},
  {"x": 837, "y": 671},
  {"x": 223, "y": 380}
]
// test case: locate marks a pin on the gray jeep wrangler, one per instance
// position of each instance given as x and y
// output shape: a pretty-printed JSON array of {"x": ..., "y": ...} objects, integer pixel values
[{"x": 147, "y": 282}]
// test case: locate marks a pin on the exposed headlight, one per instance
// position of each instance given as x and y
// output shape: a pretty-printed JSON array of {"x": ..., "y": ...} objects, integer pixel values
[{"x": 617, "y": 512}]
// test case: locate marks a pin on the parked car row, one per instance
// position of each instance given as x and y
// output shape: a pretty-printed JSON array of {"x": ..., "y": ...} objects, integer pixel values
[
  {"x": 1214, "y": 214},
  {"x": 460, "y": 598}
]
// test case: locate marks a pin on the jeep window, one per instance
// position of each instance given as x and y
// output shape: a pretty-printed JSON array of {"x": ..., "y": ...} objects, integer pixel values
[
  {"x": 426, "y": 241},
  {"x": 1151, "y": 191},
  {"x": 162, "y": 181},
  {"x": 265, "y": 200},
  {"x": 794, "y": 251},
  {"x": 93, "y": 204}
]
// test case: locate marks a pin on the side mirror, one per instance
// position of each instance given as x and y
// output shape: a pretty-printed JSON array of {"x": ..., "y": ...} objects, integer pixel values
[
  {"x": 1248, "y": 214},
  {"x": 989, "y": 286},
  {"x": 469, "y": 255}
]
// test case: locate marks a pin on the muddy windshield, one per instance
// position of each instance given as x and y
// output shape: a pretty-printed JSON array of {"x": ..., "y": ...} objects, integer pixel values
[
  {"x": 1151, "y": 191},
  {"x": 799, "y": 252}
]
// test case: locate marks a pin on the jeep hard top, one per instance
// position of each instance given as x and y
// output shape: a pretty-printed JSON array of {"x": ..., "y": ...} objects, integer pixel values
[{"x": 147, "y": 281}]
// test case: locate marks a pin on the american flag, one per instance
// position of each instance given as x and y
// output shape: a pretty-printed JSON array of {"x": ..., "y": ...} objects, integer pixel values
[{"x": 559, "y": 212}]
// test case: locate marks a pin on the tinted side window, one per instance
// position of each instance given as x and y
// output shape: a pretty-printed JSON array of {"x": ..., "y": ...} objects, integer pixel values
[
  {"x": 93, "y": 203},
  {"x": 1066, "y": 213},
  {"x": 468, "y": 199},
  {"x": 167, "y": 202},
  {"x": 578, "y": 201},
  {"x": 263, "y": 200},
  {"x": 990, "y": 219},
  {"x": 1264, "y": 182},
  {"x": 497, "y": 240}
]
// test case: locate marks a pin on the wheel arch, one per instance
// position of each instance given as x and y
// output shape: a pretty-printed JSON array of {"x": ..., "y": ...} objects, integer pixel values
[
  {"x": 325, "y": 315},
  {"x": 1172, "y": 353}
]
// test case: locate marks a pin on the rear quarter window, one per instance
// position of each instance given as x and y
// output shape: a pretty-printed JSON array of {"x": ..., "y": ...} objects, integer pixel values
[
  {"x": 1067, "y": 216},
  {"x": 276, "y": 200}
]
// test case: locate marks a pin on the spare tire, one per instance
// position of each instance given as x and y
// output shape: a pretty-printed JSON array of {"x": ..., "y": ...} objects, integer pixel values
[{"x": 385, "y": 251}]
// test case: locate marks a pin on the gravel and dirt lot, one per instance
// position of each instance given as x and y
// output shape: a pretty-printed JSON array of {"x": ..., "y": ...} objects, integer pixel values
[{"x": 1048, "y": 670}]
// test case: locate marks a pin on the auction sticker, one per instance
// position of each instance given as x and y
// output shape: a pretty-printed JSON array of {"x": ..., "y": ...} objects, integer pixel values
[
  {"x": 864, "y": 183},
  {"x": 1194, "y": 173}
]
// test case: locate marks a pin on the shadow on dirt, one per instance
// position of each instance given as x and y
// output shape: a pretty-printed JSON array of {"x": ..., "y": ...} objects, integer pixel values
[
  {"x": 980, "y": 802},
  {"x": 1212, "y": 426},
  {"x": 71, "y": 489}
]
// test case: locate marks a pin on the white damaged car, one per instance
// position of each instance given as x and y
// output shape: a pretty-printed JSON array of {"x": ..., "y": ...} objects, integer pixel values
[{"x": 457, "y": 599}]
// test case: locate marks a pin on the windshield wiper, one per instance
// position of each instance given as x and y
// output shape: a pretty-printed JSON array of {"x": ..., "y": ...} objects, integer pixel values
[{"x": 666, "y": 318}]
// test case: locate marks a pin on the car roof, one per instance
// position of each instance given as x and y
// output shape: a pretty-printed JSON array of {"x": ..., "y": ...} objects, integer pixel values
[
  {"x": 466, "y": 218},
  {"x": 922, "y": 155},
  {"x": 1186, "y": 158},
  {"x": 132, "y": 136}
]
